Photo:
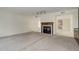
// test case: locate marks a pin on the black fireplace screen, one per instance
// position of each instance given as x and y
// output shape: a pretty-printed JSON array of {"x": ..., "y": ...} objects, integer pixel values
[{"x": 47, "y": 29}]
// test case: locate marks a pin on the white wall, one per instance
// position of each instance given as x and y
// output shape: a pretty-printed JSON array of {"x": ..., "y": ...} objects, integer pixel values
[
  {"x": 11, "y": 23},
  {"x": 34, "y": 24},
  {"x": 70, "y": 22}
]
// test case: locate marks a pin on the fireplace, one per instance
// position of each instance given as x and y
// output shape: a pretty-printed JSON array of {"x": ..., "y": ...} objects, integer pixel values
[{"x": 47, "y": 27}]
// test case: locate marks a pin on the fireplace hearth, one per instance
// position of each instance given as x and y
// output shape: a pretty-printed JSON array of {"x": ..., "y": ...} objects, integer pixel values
[{"x": 47, "y": 27}]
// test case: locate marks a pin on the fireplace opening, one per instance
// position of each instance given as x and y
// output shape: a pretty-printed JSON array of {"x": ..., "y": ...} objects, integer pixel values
[{"x": 47, "y": 27}]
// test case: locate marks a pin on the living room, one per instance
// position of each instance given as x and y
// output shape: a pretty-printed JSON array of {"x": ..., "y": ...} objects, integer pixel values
[{"x": 37, "y": 23}]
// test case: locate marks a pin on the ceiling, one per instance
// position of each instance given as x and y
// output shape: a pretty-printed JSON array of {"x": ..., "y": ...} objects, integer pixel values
[{"x": 34, "y": 10}]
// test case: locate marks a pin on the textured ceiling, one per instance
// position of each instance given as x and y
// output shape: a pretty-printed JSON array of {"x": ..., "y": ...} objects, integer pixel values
[{"x": 34, "y": 10}]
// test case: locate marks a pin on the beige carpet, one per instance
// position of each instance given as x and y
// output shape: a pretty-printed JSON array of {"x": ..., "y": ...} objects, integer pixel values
[{"x": 34, "y": 41}]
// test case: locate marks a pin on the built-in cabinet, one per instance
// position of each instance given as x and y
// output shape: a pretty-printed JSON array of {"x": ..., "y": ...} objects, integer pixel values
[
  {"x": 76, "y": 30},
  {"x": 64, "y": 25}
]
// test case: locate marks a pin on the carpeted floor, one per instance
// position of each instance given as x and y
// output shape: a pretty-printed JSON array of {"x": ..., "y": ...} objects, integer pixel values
[{"x": 34, "y": 41}]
